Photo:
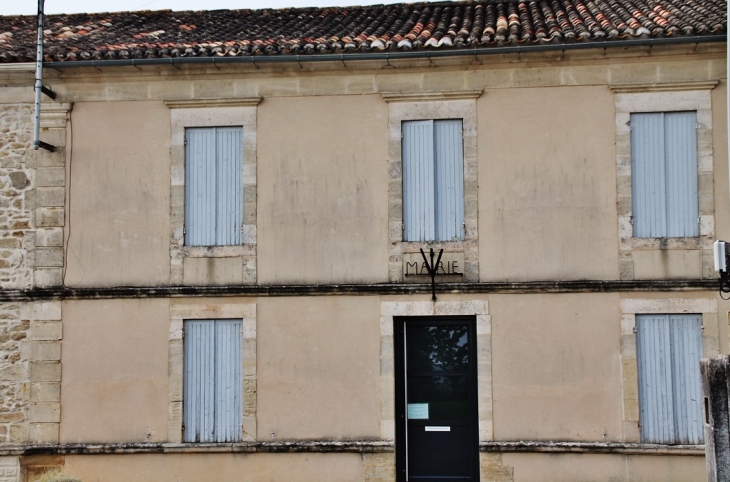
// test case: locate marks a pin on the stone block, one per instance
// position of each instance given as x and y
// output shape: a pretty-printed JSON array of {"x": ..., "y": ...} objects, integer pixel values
[
  {"x": 18, "y": 434},
  {"x": 631, "y": 409},
  {"x": 45, "y": 412},
  {"x": 494, "y": 473},
  {"x": 45, "y": 392},
  {"x": 50, "y": 196},
  {"x": 176, "y": 358},
  {"x": 49, "y": 237},
  {"x": 46, "y": 330},
  {"x": 14, "y": 372},
  {"x": 12, "y": 417},
  {"x": 6, "y": 461},
  {"x": 628, "y": 367},
  {"x": 49, "y": 217},
  {"x": 46, "y": 351},
  {"x": 50, "y": 176},
  {"x": 45, "y": 372},
  {"x": 399, "y": 83},
  {"x": 175, "y": 388},
  {"x": 669, "y": 305},
  {"x": 279, "y": 87},
  {"x": 632, "y": 433},
  {"x": 628, "y": 324},
  {"x": 249, "y": 429},
  {"x": 11, "y": 243},
  {"x": 45, "y": 278},
  {"x": 323, "y": 85},
  {"x": 49, "y": 257},
  {"x": 387, "y": 429},
  {"x": 44, "y": 432}
]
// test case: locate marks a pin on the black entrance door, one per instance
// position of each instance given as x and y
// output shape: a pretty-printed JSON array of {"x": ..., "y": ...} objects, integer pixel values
[{"x": 437, "y": 436}]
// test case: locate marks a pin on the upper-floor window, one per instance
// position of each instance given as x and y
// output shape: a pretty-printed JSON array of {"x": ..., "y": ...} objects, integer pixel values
[
  {"x": 669, "y": 348},
  {"x": 664, "y": 174},
  {"x": 433, "y": 180},
  {"x": 213, "y": 186}
]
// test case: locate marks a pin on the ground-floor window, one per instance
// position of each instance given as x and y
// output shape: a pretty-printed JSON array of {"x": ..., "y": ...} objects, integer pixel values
[
  {"x": 212, "y": 407},
  {"x": 669, "y": 348}
]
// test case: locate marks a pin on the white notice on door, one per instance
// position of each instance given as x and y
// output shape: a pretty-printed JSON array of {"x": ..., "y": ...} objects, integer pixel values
[{"x": 418, "y": 411}]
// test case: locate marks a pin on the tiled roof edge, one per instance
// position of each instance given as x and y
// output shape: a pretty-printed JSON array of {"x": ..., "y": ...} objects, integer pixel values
[{"x": 387, "y": 56}]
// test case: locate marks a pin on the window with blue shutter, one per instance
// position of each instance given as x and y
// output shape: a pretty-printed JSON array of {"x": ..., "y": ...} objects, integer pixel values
[
  {"x": 212, "y": 407},
  {"x": 213, "y": 186},
  {"x": 669, "y": 348},
  {"x": 433, "y": 180},
  {"x": 664, "y": 174}
]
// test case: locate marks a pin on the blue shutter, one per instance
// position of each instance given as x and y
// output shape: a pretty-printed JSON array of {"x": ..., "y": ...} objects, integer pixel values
[
  {"x": 681, "y": 157},
  {"x": 200, "y": 187},
  {"x": 418, "y": 181},
  {"x": 229, "y": 219},
  {"x": 686, "y": 333},
  {"x": 654, "y": 361},
  {"x": 669, "y": 348},
  {"x": 199, "y": 381},
  {"x": 228, "y": 380},
  {"x": 664, "y": 174},
  {"x": 212, "y": 390},
  {"x": 213, "y": 186},
  {"x": 449, "y": 180},
  {"x": 648, "y": 175}
]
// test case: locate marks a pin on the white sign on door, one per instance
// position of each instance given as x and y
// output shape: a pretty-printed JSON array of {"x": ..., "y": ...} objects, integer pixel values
[{"x": 418, "y": 411}]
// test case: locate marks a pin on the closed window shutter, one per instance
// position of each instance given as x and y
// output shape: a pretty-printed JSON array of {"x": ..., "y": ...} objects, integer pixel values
[
  {"x": 212, "y": 390},
  {"x": 433, "y": 180},
  {"x": 200, "y": 187},
  {"x": 199, "y": 381},
  {"x": 686, "y": 331},
  {"x": 228, "y": 380},
  {"x": 213, "y": 186},
  {"x": 669, "y": 348},
  {"x": 664, "y": 174},
  {"x": 419, "y": 196},
  {"x": 681, "y": 156},
  {"x": 449, "y": 180},
  {"x": 229, "y": 160}
]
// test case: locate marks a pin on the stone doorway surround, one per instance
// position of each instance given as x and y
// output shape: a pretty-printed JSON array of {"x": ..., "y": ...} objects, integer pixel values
[{"x": 381, "y": 467}]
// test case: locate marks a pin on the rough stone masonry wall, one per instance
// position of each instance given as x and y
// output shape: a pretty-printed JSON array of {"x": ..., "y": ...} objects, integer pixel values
[
  {"x": 32, "y": 197},
  {"x": 32, "y": 212},
  {"x": 16, "y": 234},
  {"x": 14, "y": 382}
]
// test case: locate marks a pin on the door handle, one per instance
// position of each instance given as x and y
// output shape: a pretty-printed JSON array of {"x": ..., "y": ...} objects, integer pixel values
[{"x": 437, "y": 429}]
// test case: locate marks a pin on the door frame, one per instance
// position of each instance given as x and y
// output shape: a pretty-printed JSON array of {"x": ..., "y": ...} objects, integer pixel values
[{"x": 399, "y": 323}]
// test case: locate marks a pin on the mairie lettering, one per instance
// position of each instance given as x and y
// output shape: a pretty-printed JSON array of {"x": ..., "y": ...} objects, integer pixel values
[{"x": 444, "y": 268}]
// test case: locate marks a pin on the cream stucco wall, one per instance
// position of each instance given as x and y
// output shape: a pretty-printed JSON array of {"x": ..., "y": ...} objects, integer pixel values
[
  {"x": 604, "y": 467},
  {"x": 547, "y": 189},
  {"x": 305, "y": 467},
  {"x": 114, "y": 371},
  {"x": 318, "y": 367},
  {"x": 119, "y": 216},
  {"x": 556, "y": 367},
  {"x": 546, "y": 207},
  {"x": 323, "y": 189}
]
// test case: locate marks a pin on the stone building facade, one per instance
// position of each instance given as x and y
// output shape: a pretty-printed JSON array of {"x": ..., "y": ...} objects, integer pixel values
[{"x": 100, "y": 289}]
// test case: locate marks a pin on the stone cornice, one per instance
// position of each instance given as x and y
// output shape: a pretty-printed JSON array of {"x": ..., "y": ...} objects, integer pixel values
[
  {"x": 201, "y": 103},
  {"x": 54, "y": 114},
  {"x": 430, "y": 96},
  {"x": 662, "y": 87},
  {"x": 578, "y": 286},
  {"x": 12, "y": 68},
  {"x": 339, "y": 446}
]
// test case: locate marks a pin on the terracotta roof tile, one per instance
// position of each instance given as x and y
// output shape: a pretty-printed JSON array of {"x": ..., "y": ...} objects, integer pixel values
[{"x": 440, "y": 25}]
